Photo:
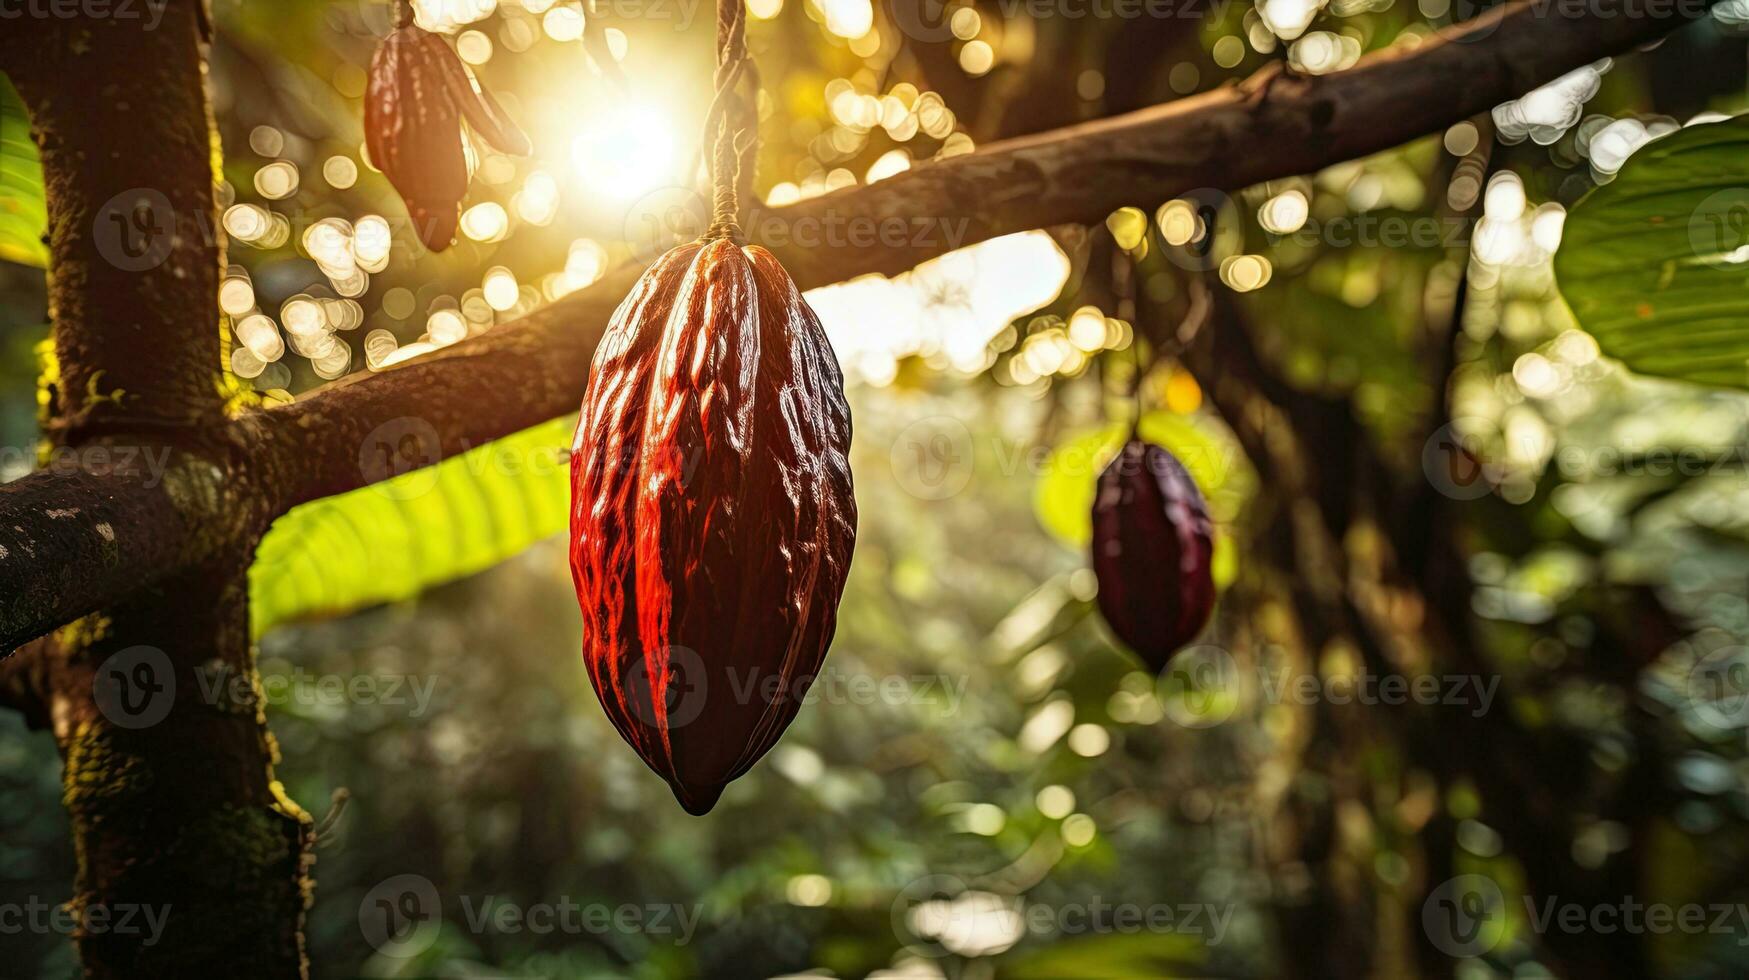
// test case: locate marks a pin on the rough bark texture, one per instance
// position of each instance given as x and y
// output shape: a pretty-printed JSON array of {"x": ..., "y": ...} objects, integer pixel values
[
  {"x": 100, "y": 528},
  {"x": 150, "y": 520},
  {"x": 178, "y": 816},
  {"x": 128, "y": 166}
]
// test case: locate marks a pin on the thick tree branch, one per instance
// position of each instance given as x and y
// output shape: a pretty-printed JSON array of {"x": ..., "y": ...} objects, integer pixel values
[
  {"x": 1274, "y": 125},
  {"x": 72, "y": 540}
]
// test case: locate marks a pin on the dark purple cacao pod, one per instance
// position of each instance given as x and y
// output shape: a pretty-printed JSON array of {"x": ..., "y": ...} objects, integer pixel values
[
  {"x": 418, "y": 93},
  {"x": 712, "y": 515},
  {"x": 1152, "y": 549}
]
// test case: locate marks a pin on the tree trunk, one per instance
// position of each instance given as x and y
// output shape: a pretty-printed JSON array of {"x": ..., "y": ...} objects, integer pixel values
[
  {"x": 176, "y": 818},
  {"x": 191, "y": 859}
]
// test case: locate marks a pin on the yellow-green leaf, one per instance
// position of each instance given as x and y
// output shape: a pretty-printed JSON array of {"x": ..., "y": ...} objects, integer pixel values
[
  {"x": 394, "y": 539},
  {"x": 23, "y": 214}
]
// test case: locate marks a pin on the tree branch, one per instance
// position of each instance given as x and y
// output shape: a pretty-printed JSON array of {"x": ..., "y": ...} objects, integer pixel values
[
  {"x": 1273, "y": 125},
  {"x": 72, "y": 541}
]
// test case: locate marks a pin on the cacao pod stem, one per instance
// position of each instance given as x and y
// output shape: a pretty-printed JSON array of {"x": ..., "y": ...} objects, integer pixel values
[{"x": 732, "y": 124}]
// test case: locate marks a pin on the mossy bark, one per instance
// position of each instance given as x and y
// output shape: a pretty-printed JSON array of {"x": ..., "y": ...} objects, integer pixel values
[
  {"x": 177, "y": 819},
  {"x": 192, "y": 861}
]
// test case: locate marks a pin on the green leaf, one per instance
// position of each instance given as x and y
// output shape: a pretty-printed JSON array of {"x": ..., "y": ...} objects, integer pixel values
[
  {"x": 394, "y": 539},
  {"x": 24, "y": 216},
  {"x": 1655, "y": 264}
]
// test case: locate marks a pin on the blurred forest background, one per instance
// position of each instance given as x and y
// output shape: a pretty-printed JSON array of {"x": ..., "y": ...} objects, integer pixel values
[{"x": 985, "y": 775}]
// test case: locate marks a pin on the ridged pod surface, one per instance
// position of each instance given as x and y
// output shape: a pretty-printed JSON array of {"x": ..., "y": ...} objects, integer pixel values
[
  {"x": 712, "y": 513},
  {"x": 1152, "y": 550},
  {"x": 417, "y": 95}
]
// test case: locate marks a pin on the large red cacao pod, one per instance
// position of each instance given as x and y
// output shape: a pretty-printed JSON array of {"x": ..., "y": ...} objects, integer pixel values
[
  {"x": 712, "y": 514},
  {"x": 417, "y": 95},
  {"x": 1152, "y": 549}
]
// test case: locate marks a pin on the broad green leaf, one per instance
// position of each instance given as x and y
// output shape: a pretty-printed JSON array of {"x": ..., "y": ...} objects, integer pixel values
[
  {"x": 23, "y": 215},
  {"x": 1655, "y": 264},
  {"x": 1063, "y": 495},
  {"x": 392, "y": 540}
]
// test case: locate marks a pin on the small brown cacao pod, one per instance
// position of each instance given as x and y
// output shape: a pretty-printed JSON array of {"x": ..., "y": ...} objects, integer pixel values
[
  {"x": 1152, "y": 550},
  {"x": 712, "y": 514},
  {"x": 418, "y": 93}
]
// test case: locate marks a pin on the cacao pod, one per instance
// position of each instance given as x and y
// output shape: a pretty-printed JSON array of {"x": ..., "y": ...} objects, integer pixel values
[
  {"x": 1152, "y": 548},
  {"x": 712, "y": 514},
  {"x": 418, "y": 93}
]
